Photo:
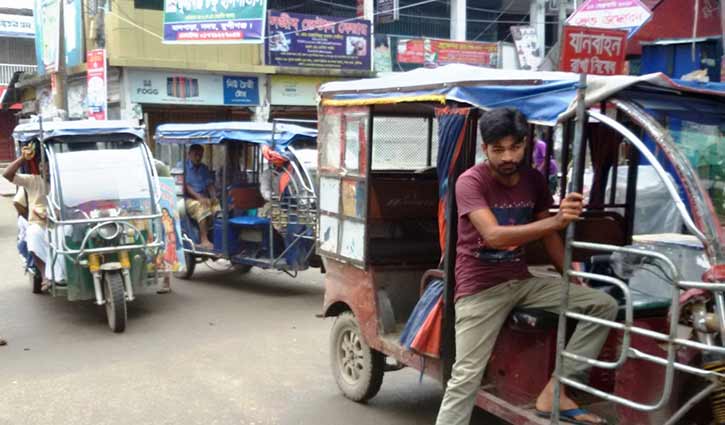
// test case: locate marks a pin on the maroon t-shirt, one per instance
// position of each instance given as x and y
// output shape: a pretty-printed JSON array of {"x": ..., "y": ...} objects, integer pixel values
[{"x": 479, "y": 266}]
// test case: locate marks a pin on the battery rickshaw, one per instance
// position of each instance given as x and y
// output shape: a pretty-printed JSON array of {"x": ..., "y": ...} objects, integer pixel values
[
  {"x": 103, "y": 214},
  {"x": 390, "y": 151},
  {"x": 267, "y": 198}
]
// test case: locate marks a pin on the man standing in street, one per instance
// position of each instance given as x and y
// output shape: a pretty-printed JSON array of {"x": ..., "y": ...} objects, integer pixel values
[{"x": 504, "y": 204}]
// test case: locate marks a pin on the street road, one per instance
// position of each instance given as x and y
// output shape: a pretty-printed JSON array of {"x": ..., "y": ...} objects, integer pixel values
[{"x": 220, "y": 349}]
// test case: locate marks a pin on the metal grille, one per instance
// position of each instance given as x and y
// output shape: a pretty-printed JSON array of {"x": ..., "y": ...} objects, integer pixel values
[
  {"x": 7, "y": 71},
  {"x": 401, "y": 143}
]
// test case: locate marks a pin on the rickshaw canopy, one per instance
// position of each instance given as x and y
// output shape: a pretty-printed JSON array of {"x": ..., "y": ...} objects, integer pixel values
[
  {"x": 235, "y": 131},
  {"x": 544, "y": 97},
  {"x": 53, "y": 129}
]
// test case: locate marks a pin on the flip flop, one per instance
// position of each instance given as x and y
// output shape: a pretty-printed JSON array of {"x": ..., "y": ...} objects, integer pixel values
[
  {"x": 569, "y": 416},
  {"x": 3, "y": 342}
]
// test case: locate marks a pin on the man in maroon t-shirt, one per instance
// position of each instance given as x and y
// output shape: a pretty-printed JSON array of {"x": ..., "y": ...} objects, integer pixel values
[{"x": 502, "y": 205}]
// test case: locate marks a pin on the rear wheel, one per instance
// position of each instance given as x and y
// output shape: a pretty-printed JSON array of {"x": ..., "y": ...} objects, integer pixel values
[
  {"x": 115, "y": 297},
  {"x": 190, "y": 260},
  {"x": 357, "y": 368}
]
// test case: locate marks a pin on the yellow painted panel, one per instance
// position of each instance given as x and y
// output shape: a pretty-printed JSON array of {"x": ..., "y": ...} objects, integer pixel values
[{"x": 134, "y": 39}]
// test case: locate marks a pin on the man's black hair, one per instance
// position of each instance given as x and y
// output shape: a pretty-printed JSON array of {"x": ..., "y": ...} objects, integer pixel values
[
  {"x": 196, "y": 147},
  {"x": 499, "y": 123}
]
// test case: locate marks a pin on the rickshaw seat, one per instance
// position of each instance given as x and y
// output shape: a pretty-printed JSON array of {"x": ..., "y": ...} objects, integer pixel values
[
  {"x": 643, "y": 305},
  {"x": 246, "y": 220}
]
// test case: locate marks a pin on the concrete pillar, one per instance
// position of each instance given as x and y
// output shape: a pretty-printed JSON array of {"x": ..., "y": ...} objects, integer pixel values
[
  {"x": 458, "y": 20},
  {"x": 537, "y": 16}
]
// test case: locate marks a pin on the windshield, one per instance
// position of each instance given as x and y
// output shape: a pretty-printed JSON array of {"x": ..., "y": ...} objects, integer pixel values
[
  {"x": 700, "y": 136},
  {"x": 103, "y": 179}
]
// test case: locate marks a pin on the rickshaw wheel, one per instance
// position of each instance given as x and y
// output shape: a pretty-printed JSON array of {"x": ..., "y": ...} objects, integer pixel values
[
  {"x": 190, "y": 267},
  {"x": 115, "y": 301},
  {"x": 357, "y": 368},
  {"x": 37, "y": 281}
]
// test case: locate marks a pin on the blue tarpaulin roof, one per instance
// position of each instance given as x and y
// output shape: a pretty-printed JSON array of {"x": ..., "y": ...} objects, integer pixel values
[
  {"x": 544, "y": 97},
  {"x": 24, "y": 132},
  {"x": 216, "y": 132}
]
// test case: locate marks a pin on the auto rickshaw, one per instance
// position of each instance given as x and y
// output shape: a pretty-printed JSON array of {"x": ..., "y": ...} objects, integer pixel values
[
  {"x": 275, "y": 233},
  {"x": 391, "y": 149},
  {"x": 103, "y": 213}
]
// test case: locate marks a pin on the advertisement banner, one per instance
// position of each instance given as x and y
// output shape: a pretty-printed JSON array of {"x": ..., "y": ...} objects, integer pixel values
[
  {"x": 387, "y": 11},
  {"x": 611, "y": 14},
  {"x": 17, "y": 26},
  {"x": 47, "y": 34},
  {"x": 96, "y": 79},
  {"x": 213, "y": 22},
  {"x": 527, "y": 47},
  {"x": 312, "y": 41},
  {"x": 72, "y": 28},
  {"x": 432, "y": 52},
  {"x": 183, "y": 88},
  {"x": 593, "y": 50}
]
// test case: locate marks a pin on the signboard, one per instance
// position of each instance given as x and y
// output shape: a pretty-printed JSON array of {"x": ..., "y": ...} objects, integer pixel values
[
  {"x": 593, "y": 50},
  {"x": 47, "y": 34},
  {"x": 97, "y": 96},
  {"x": 212, "y": 22},
  {"x": 312, "y": 41},
  {"x": 387, "y": 11},
  {"x": 183, "y": 88},
  {"x": 17, "y": 26},
  {"x": 72, "y": 29},
  {"x": 295, "y": 90},
  {"x": 527, "y": 47},
  {"x": 242, "y": 91},
  {"x": 611, "y": 14},
  {"x": 432, "y": 53}
]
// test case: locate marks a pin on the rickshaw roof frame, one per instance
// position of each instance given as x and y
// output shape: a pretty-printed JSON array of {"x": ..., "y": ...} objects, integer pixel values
[
  {"x": 55, "y": 129},
  {"x": 546, "y": 98},
  {"x": 236, "y": 131}
]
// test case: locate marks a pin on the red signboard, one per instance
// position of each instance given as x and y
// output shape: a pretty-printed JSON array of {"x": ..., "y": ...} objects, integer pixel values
[
  {"x": 430, "y": 52},
  {"x": 96, "y": 80},
  {"x": 593, "y": 50}
]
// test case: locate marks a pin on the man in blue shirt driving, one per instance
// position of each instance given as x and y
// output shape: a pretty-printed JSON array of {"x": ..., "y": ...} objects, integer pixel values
[{"x": 201, "y": 202}]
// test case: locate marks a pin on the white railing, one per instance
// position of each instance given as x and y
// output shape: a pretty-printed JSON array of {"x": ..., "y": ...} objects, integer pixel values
[{"x": 7, "y": 70}]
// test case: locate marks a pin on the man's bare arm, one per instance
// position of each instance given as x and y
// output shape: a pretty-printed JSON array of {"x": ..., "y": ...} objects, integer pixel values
[
  {"x": 13, "y": 168},
  {"x": 498, "y": 236},
  {"x": 553, "y": 245}
]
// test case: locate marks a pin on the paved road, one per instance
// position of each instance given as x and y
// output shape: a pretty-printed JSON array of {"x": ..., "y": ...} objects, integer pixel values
[{"x": 221, "y": 349}]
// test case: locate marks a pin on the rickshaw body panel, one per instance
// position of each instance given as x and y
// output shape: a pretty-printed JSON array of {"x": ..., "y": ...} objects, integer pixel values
[{"x": 348, "y": 287}]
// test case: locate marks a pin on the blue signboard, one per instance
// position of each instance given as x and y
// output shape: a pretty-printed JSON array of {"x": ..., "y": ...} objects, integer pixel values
[{"x": 241, "y": 90}]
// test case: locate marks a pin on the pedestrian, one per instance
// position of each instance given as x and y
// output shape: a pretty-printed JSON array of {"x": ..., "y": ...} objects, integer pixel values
[{"x": 504, "y": 204}]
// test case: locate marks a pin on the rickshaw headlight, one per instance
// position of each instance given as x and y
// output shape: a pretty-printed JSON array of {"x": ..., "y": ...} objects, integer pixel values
[{"x": 109, "y": 231}]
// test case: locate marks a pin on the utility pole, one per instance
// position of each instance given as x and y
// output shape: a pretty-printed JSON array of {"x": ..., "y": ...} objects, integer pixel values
[
  {"x": 60, "y": 100},
  {"x": 537, "y": 19},
  {"x": 458, "y": 20}
]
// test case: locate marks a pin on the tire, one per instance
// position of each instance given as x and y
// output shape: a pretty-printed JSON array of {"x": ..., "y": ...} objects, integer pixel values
[
  {"x": 357, "y": 368},
  {"x": 115, "y": 296},
  {"x": 190, "y": 267},
  {"x": 37, "y": 281},
  {"x": 242, "y": 268}
]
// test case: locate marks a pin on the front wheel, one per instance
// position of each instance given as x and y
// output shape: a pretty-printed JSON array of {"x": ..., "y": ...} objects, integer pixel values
[
  {"x": 357, "y": 368},
  {"x": 115, "y": 297}
]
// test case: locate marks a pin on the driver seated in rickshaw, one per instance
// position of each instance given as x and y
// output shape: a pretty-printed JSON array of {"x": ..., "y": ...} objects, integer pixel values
[{"x": 200, "y": 194}]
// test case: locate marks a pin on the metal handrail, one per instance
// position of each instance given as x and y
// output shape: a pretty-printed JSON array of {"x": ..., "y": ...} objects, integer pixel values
[{"x": 119, "y": 219}]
